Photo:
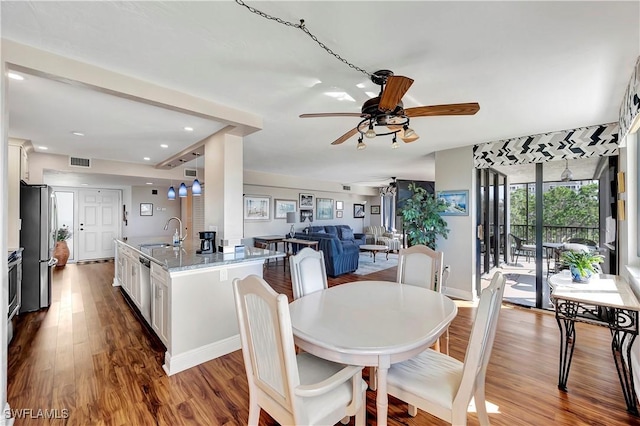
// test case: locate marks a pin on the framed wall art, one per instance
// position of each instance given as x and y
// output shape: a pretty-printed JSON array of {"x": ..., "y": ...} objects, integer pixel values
[
  {"x": 375, "y": 209},
  {"x": 358, "y": 210},
  {"x": 339, "y": 205},
  {"x": 146, "y": 209},
  {"x": 257, "y": 207},
  {"x": 306, "y": 201},
  {"x": 338, "y": 214},
  {"x": 457, "y": 202},
  {"x": 282, "y": 207},
  {"x": 324, "y": 209},
  {"x": 306, "y": 215}
]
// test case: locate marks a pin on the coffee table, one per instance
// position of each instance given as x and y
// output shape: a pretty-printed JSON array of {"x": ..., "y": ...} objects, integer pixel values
[{"x": 374, "y": 248}]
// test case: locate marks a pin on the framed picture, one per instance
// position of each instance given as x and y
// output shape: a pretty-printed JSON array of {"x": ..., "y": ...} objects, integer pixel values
[
  {"x": 282, "y": 207},
  {"x": 358, "y": 210},
  {"x": 375, "y": 209},
  {"x": 457, "y": 202},
  {"x": 339, "y": 205},
  {"x": 146, "y": 209},
  {"x": 257, "y": 207},
  {"x": 339, "y": 214},
  {"x": 324, "y": 209},
  {"x": 306, "y": 215},
  {"x": 306, "y": 201}
]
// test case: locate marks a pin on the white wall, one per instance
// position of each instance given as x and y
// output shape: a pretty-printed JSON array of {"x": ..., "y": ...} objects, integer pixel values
[
  {"x": 455, "y": 171},
  {"x": 4, "y": 194},
  {"x": 627, "y": 229},
  {"x": 163, "y": 209}
]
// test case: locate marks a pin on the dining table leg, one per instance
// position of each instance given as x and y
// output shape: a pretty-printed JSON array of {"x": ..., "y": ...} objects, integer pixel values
[{"x": 382, "y": 399}]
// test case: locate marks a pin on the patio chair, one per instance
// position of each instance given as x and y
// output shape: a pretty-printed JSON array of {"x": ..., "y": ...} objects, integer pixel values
[{"x": 519, "y": 247}]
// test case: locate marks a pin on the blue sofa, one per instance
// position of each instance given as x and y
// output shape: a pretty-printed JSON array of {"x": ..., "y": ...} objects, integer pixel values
[{"x": 340, "y": 246}]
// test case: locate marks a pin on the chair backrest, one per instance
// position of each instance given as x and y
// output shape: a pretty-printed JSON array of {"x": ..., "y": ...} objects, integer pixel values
[
  {"x": 267, "y": 342},
  {"x": 420, "y": 266},
  {"x": 517, "y": 241},
  {"x": 481, "y": 339},
  {"x": 308, "y": 272}
]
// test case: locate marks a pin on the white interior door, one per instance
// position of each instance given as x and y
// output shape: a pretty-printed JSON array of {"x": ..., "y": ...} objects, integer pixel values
[{"x": 98, "y": 223}]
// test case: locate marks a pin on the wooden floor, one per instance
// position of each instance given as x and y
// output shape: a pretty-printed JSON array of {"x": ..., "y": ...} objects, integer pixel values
[{"x": 89, "y": 355}]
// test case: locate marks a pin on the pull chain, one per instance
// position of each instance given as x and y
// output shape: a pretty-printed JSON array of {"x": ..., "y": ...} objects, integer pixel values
[{"x": 301, "y": 26}]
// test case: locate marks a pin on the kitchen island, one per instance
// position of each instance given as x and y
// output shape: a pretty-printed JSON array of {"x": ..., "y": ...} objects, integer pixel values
[{"x": 186, "y": 297}]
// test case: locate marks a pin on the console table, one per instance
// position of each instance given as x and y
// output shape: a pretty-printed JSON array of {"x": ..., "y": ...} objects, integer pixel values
[{"x": 606, "y": 300}]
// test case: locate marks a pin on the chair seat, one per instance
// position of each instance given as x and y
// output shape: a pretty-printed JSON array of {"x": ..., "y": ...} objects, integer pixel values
[
  {"x": 431, "y": 376},
  {"x": 314, "y": 370},
  {"x": 394, "y": 244}
]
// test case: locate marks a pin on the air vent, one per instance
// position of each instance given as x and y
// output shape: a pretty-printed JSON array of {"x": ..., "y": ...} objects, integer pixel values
[
  {"x": 79, "y": 162},
  {"x": 346, "y": 188},
  {"x": 190, "y": 173}
]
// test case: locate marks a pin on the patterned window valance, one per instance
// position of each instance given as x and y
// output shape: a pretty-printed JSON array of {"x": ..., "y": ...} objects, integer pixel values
[
  {"x": 631, "y": 102},
  {"x": 584, "y": 142}
]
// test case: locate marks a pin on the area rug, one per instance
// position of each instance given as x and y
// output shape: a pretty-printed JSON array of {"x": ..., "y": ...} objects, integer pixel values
[{"x": 366, "y": 265}]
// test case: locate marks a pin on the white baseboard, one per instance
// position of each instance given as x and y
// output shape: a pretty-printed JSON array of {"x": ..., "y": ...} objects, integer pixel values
[
  {"x": 177, "y": 363},
  {"x": 458, "y": 294}
]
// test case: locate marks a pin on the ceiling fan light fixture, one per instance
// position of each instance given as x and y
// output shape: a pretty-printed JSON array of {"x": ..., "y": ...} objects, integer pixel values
[
  {"x": 394, "y": 144},
  {"x": 408, "y": 132},
  {"x": 361, "y": 145},
  {"x": 370, "y": 133},
  {"x": 567, "y": 174}
]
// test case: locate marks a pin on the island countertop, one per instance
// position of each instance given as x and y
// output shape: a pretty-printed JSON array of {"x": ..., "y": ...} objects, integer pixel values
[{"x": 183, "y": 258}]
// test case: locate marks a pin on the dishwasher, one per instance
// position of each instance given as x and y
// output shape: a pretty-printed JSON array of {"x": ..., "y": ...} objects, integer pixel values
[{"x": 145, "y": 288}]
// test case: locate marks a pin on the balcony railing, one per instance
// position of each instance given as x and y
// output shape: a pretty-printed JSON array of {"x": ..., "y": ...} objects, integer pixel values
[{"x": 557, "y": 233}]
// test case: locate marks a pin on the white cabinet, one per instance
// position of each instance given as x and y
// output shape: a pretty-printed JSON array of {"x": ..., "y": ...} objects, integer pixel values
[
  {"x": 134, "y": 278},
  {"x": 160, "y": 313}
]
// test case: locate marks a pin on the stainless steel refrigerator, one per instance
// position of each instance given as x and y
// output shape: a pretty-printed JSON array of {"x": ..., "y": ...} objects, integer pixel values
[{"x": 37, "y": 237}]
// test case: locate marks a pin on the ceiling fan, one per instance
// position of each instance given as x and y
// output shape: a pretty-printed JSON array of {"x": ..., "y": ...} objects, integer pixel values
[{"x": 387, "y": 113}]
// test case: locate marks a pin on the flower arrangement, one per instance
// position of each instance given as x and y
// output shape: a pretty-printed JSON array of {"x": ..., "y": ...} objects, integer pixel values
[
  {"x": 63, "y": 234},
  {"x": 582, "y": 263}
]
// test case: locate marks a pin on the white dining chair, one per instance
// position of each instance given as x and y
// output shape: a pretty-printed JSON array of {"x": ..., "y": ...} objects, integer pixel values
[
  {"x": 294, "y": 389},
  {"x": 442, "y": 385},
  {"x": 308, "y": 272},
  {"x": 421, "y": 266}
]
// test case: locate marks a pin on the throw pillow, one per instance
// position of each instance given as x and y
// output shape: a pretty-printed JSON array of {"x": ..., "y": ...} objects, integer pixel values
[
  {"x": 347, "y": 234},
  {"x": 320, "y": 231}
]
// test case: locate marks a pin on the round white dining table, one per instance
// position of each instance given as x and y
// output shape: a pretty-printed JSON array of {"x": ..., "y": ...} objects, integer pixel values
[{"x": 371, "y": 323}]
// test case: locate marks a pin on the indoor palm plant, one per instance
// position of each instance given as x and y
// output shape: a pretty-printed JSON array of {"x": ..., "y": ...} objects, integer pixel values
[
  {"x": 582, "y": 264},
  {"x": 421, "y": 218}
]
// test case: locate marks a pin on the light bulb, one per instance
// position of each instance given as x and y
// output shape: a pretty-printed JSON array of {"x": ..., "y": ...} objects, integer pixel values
[
  {"x": 408, "y": 132},
  {"x": 182, "y": 191},
  {"x": 361, "y": 145},
  {"x": 394, "y": 144},
  {"x": 370, "y": 133},
  {"x": 196, "y": 189},
  {"x": 567, "y": 174},
  {"x": 172, "y": 193}
]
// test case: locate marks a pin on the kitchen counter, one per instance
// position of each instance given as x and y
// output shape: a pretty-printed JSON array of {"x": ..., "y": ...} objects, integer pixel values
[{"x": 175, "y": 259}]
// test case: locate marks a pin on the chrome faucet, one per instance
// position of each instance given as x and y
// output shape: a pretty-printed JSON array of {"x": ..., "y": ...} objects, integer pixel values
[{"x": 166, "y": 226}]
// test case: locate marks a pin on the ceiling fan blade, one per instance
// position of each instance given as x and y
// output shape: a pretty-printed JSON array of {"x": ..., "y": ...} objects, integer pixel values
[
  {"x": 345, "y": 136},
  {"x": 447, "y": 109},
  {"x": 393, "y": 92},
  {"x": 332, "y": 114}
]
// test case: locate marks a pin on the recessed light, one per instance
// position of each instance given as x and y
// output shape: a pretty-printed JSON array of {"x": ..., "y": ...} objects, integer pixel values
[
  {"x": 360, "y": 86},
  {"x": 84, "y": 184},
  {"x": 15, "y": 76},
  {"x": 149, "y": 183},
  {"x": 188, "y": 129},
  {"x": 146, "y": 158},
  {"x": 44, "y": 148},
  {"x": 341, "y": 96},
  {"x": 77, "y": 133},
  {"x": 164, "y": 145}
]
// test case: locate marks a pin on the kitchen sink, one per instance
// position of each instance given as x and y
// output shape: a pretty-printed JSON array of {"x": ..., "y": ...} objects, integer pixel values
[{"x": 148, "y": 248}]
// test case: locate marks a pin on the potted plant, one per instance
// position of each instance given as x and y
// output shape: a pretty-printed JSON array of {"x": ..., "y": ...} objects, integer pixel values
[
  {"x": 582, "y": 264},
  {"x": 421, "y": 218},
  {"x": 61, "y": 251}
]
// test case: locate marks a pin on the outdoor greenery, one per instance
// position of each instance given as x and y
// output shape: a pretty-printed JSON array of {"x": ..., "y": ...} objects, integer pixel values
[
  {"x": 562, "y": 207},
  {"x": 421, "y": 218}
]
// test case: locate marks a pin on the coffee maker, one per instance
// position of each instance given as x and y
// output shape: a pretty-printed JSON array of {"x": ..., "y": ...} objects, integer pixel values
[{"x": 207, "y": 243}]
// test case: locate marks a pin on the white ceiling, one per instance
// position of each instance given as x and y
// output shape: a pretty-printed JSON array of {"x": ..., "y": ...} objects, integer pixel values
[{"x": 533, "y": 67}]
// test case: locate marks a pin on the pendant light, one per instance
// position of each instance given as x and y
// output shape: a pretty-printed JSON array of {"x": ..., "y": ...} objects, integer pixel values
[
  {"x": 196, "y": 189},
  {"x": 171, "y": 194},
  {"x": 182, "y": 191},
  {"x": 567, "y": 174}
]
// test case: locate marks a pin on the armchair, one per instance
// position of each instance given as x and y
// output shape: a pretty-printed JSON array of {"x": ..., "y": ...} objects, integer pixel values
[{"x": 377, "y": 234}]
